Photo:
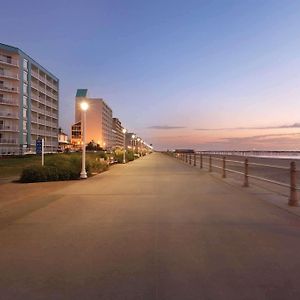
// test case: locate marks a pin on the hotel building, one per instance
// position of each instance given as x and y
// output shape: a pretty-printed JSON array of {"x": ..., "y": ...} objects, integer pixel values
[
  {"x": 29, "y": 97},
  {"x": 99, "y": 121},
  {"x": 118, "y": 134}
]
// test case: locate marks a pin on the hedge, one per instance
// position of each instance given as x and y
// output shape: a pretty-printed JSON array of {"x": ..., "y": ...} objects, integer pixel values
[{"x": 62, "y": 167}]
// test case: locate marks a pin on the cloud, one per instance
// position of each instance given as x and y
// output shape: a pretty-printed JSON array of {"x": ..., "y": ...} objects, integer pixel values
[
  {"x": 295, "y": 125},
  {"x": 166, "y": 127},
  {"x": 260, "y": 137}
]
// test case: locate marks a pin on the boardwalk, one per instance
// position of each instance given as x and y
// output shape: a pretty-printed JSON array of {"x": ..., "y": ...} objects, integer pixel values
[{"x": 152, "y": 229}]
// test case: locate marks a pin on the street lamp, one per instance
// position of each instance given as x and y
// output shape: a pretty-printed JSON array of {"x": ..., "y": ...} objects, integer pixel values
[
  {"x": 132, "y": 141},
  {"x": 124, "y": 150},
  {"x": 138, "y": 144},
  {"x": 84, "y": 107}
]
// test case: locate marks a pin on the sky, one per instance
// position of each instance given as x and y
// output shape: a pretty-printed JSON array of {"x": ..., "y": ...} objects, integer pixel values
[{"x": 207, "y": 75}]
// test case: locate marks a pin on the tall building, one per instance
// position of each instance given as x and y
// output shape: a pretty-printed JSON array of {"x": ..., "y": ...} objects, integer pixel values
[
  {"x": 118, "y": 133},
  {"x": 98, "y": 120},
  {"x": 29, "y": 97}
]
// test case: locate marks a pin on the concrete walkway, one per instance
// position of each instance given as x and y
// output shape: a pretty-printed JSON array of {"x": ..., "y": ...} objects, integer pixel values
[{"x": 152, "y": 229}]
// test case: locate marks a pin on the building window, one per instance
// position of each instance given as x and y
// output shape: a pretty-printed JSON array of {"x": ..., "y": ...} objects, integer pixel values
[
  {"x": 25, "y": 101},
  {"x": 25, "y": 87},
  {"x": 25, "y": 64},
  {"x": 25, "y": 76},
  {"x": 24, "y": 139},
  {"x": 24, "y": 113}
]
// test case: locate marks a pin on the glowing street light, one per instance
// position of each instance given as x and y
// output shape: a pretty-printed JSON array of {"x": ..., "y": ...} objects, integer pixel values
[
  {"x": 132, "y": 141},
  {"x": 124, "y": 150},
  {"x": 84, "y": 107}
]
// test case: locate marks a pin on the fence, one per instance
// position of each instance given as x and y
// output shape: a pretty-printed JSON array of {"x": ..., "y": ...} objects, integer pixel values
[{"x": 208, "y": 160}]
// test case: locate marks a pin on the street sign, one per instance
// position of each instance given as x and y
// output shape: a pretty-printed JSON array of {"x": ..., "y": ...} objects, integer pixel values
[{"x": 39, "y": 146}]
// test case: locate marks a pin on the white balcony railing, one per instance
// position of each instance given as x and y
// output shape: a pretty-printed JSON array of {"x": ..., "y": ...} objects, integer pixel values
[
  {"x": 10, "y": 115},
  {"x": 8, "y": 101},
  {"x": 9, "y": 128},
  {"x": 9, "y": 88},
  {"x": 7, "y": 74},
  {"x": 9, "y": 61},
  {"x": 35, "y": 85},
  {"x": 8, "y": 141},
  {"x": 37, "y": 109}
]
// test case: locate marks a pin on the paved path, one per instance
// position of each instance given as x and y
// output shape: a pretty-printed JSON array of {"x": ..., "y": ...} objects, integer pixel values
[{"x": 152, "y": 229}]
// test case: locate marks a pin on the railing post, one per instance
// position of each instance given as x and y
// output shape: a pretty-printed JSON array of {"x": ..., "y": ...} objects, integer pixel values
[
  {"x": 190, "y": 159},
  {"x": 186, "y": 158},
  {"x": 224, "y": 168},
  {"x": 210, "y": 164},
  {"x": 201, "y": 161},
  {"x": 195, "y": 162},
  {"x": 293, "y": 200},
  {"x": 246, "y": 182}
]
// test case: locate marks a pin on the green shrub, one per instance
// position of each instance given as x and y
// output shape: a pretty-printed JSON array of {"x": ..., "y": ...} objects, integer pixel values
[
  {"x": 96, "y": 166},
  {"x": 33, "y": 174},
  {"x": 129, "y": 155},
  {"x": 51, "y": 173},
  {"x": 63, "y": 167},
  {"x": 118, "y": 155}
]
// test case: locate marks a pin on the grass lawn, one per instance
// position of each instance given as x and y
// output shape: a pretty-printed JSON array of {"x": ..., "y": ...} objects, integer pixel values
[{"x": 13, "y": 166}]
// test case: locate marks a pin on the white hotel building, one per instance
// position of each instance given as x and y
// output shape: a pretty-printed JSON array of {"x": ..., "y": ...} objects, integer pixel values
[{"x": 29, "y": 98}]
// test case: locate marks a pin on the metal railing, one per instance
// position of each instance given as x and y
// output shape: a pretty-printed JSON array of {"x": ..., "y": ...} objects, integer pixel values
[{"x": 244, "y": 164}]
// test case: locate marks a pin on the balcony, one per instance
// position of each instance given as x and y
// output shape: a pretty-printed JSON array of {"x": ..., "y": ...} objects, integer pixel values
[
  {"x": 9, "y": 101},
  {"x": 50, "y": 94},
  {"x": 37, "y": 109},
  {"x": 8, "y": 141},
  {"x": 10, "y": 75},
  {"x": 51, "y": 124},
  {"x": 35, "y": 85},
  {"x": 9, "y": 88},
  {"x": 9, "y": 115},
  {"x": 9, "y": 61},
  {"x": 9, "y": 128}
]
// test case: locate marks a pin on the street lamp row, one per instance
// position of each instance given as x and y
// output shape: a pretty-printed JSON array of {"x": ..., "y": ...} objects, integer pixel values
[{"x": 84, "y": 107}]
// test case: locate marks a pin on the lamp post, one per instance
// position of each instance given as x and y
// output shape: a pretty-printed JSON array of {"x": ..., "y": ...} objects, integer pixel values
[
  {"x": 138, "y": 144},
  {"x": 124, "y": 150},
  {"x": 84, "y": 107},
  {"x": 132, "y": 141}
]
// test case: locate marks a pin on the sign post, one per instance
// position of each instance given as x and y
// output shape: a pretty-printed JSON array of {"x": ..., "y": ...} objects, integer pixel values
[{"x": 39, "y": 146}]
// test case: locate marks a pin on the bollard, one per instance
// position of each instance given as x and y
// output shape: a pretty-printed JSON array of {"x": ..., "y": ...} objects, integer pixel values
[
  {"x": 224, "y": 168},
  {"x": 201, "y": 161},
  {"x": 246, "y": 182},
  {"x": 195, "y": 162},
  {"x": 293, "y": 200},
  {"x": 190, "y": 159},
  {"x": 210, "y": 164}
]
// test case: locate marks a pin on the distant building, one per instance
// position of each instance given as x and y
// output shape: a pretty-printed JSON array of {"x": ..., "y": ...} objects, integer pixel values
[
  {"x": 130, "y": 142},
  {"x": 63, "y": 140},
  {"x": 118, "y": 134},
  {"x": 29, "y": 98},
  {"x": 76, "y": 135},
  {"x": 98, "y": 120}
]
